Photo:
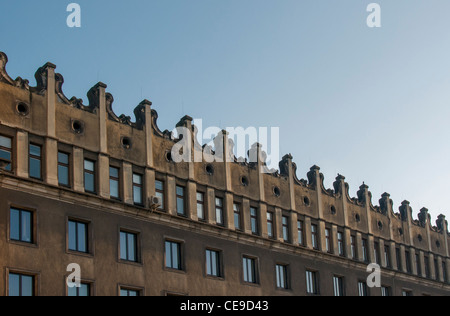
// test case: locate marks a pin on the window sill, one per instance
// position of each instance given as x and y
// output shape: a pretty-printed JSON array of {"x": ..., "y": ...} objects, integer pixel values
[{"x": 23, "y": 243}]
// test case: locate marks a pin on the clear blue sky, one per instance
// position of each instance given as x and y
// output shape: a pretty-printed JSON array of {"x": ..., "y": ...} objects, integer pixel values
[{"x": 371, "y": 104}]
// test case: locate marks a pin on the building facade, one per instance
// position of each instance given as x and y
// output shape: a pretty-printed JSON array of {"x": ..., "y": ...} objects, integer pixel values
[{"x": 81, "y": 185}]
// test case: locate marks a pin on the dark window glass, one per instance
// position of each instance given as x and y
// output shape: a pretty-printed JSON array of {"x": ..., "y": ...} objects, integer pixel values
[
  {"x": 6, "y": 151},
  {"x": 35, "y": 161},
  {"x": 444, "y": 271},
  {"x": 201, "y": 206},
  {"x": 63, "y": 169},
  {"x": 328, "y": 242},
  {"x": 362, "y": 289},
  {"x": 21, "y": 225},
  {"x": 353, "y": 246},
  {"x": 180, "y": 201},
  {"x": 399, "y": 258},
  {"x": 285, "y": 225},
  {"x": 78, "y": 236},
  {"x": 282, "y": 276},
  {"x": 314, "y": 240},
  {"x": 219, "y": 211},
  {"x": 407, "y": 293},
  {"x": 114, "y": 183},
  {"x": 300, "y": 233},
  {"x": 311, "y": 283},
  {"x": 237, "y": 216},
  {"x": 387, "y": 256},
  {"x": 159, "y": 186},
  {"x": 249, "y": 265},
  {"x": 213, "y": 263},
  {"x": 365, "y": 250},
  {"x": 127, "y": 292},
  {"x": 408, "y": 261},
  {"x": 338, "y": 286},
  {"x": 173, "y": 255},
  {"x": 128, "y": 246},
  {"x": 418, "y": 265},
  {"x": 340, "y": 239},
  {"x": 21, "y": 285},
  {"x": 270, "y": 231},
  {"x": 385, "y": 291},
  {"x": 83, "y": 290},
  {"x": 137, "y": 189},
  {"x": 89, "y": 176},
  {"x": 254, "y": 220},
  {"x": 436, "y": 269},
  {"x": 376, "y": 252}
]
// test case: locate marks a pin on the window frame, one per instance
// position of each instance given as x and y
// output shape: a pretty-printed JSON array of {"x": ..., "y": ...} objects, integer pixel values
[
  {"x": 87, "y": 237},
  {"x": 180, "y": 254},
  {"x": 21, "y": 273},
  {"x": 254, "y": 269},
  {"x": 328, "y": 240},
  {"x": 254, "y": 220},
  {"x": 341, "y": 243},
  {"x": 93, "y": 173},
  {"x": 37, "y": 158},
  {"x": 33, "y": 226},
  {"x": 338, "y": 285},
  {"x": 182, "y": 198},
  {"x": 363, "y": 289},
  {"x": 270, "y": 224},
  {"x": 285, "y": 222},
  {"x": 237, "y": 214},
  {"x": 219, "y": 263},
  {"x": 140, "y": 187},
  {"x": 312, "y": 282},
  {"x": 10, "y": 151},
  {"x": 117, "y": 180},
  {"x": 284, "y": 283},
  {"x": 301, "y": 232},
  {"x": 200, "y": 203},
  {"x": 67, "y": 166},
  {"x": 314, "y": 236},
  {"x": 161, "y": 193},
  {"x": 90, "y": 289},
  {"x": 219, "y": 209},
  {"x": 137, "y": 246}
]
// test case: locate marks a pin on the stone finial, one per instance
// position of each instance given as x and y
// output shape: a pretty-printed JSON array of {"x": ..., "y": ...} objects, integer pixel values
[
  {"x": 441, "y": 223},
  {"x": 423, "y": 216}
]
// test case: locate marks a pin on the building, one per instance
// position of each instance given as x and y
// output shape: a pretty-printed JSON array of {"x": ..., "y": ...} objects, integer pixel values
[{"x": 81, "y": 185}]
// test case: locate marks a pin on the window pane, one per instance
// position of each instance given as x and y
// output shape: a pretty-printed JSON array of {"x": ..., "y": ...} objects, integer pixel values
[
  {"x": 35, "y": 150},
  {"x": 114, "y": 188},
  {"x": 208, "y": 263},
  {"x": 200, "y": 197},
  {"x": 133, "y": 293},
  {"x": 63, "y": 158},
  {"x": 82, "y": 244},
  {"x": 200, "y": 211},
  {"x": 72, "y": 291},
  {"x": 14, "y": 284},
  {"x": 123, "y": 246},
  {"x": 168, "y": 255},
  {"x": 219, "y": 202},
  {"x": 89, "y": 182},
  {"x": 63, "y": 175},
  {"x": 159, "y": 185},
  {"x": 15, "y": 224},
  {"x": 161, "y": 197},
  {"x": 219, "y": 216},
  {"x": 84, "y": 290},
  {"x": 89, "y": 165},
  {"x": 131, "y": 247},
  {"x": 180, "y": 206},
  {"x": 72, "y": 236},
  {"x": 137, "y": 179},
  {"x": 35, "y": 168},
  {"x": 175, "y": 256},
  {"x": 27, "y": 285},
  {"x": 123, "y": 292},
  {"x": 214, "y": 255},
  {"x": 5, "y": 142},
  {"x": 26, "y": 226},
  {"x": 137, "y": 195},
  {"x": 180, "y": 191}
]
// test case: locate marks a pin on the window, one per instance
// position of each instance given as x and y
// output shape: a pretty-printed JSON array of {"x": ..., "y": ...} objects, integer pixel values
[
  {"x": 78, "y": 236},
  {"x": 63, "y": 169},
  {"x": 408, "y": 261},
  {"x": 365, "y": 252},
  {"x": 436, "y": 270},
  {"x": 114, "y": 183},
  {"x": 353, "y": 247},
  {"x": 173, "y": 255},
  {"x": 285, "y": 225},
  {"x": 219, "y": 211},
  {"x": 128, "y": 292},
  {"x": 254, "y": 220},
  {"x": 300, "y": 233},
  {"x": 386, "y": 291},
  {"x": 340, "y": 240},
  {"x": 376, "y": 252},
  {"x": 418, "y": 265},
  {"x": 387, "y": 256},
  {"x": 314, "y": 241},
  {"x": 6, "y": 151},
  {"x": 338, "y": 286},
  {"x": 362, "y": 289},
  {"x": 237, "y": 216},
  {"x": 282, "y": 276},
  {"x": 89, "y": 176},
  {"x": 201, "y": 206},
  {"x": 312, "y": 286},
  {"x": 21, "y": 285},
  {"x": 21, "y": 225},
  {"x": 128, "y": 246},
  {"x": 213, "y": 266},
  {"x": 444, "y": 271},
  {"x": 83, "y": 290},
  {"x": 137, "y": 189},
  {"x": 35, "y": 161},
  {"x": 407, "y": 293},
  {"x": 427, "y": 267},
  {"x": 270, "y": 231},
  {"x": 180, "y": 201},
  {"x": 399, "y": 258},
  {"x": 250, "y": 274},
  {"x": 328, "y": 242},
  {"x": 159, "y": 188}
]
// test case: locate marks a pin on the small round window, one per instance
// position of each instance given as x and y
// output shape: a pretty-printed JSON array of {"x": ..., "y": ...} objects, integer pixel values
[
  {"x": 126, "y": 142},
  {"x": 23, "y": 109},
  {"x": 244, "y": 181},
  {"x": 306, "y": 201},
  {"x": 276, "y": 191},
  {"x": 77, "y": 127},
  {"x": 209, "y": 170}
]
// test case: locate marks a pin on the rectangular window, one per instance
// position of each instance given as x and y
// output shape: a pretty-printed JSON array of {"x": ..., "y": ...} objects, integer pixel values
[
  {"x": 237, "y": 216},
  {"x": 376, "y": 252},
  {"x": 219, "y": 211},
  {"x": 180, "y": 201},
  {"x": 63, "y": 169},
  {"x": 407, "y": 293},
  {"x": 399, "y": 258},
  {"x": 35, "y": 161},
  {"x": 353, "y": 247},
  {"x": 114, "y": 183},
  {"x": 137, "y": 189},
  {"x": 444, "y": 271},
  {"x": 436, "y": 270},
  {"x": 173, "y": 255},
  {"x": 128, "y": 246},
  {"x": 386, "y": 291},
  {"x": 84, "y": 290},
  {"x": 6, "y": 151},
  {"x": 21, "y": 225},
  {"x": 338, "y": 286},
  {"x": 21, "y": 285},
  {"x": 312, "y": 286},
  {"x": 254, "y": 220},
  {"x": 340, "y": 240},
  {"x": 270, "y": 231},
  {"x": 89, "y": 176},
  {"x": 362, "y": 289},
  {"x": 128, "y": 292},
  {"x": 213, "y": 266},
  {"x": 201, "y": 206},
  {"x": 159, "y": 188},
  {"x": 387, "y": 256},
  {"x": 408, "y": 261},
  {"x": 250, "y": 273},
  {"x": 328, "y": 242},
  {"x": 285, "y": 225},
  {"x": 78, "y": 236},
  {"x": 427, "y": 267},
  {"x": 282, "y": 276},
  {"x": 365, "y": 251},
  {"x": 314, "y": 240},
  {"x": 418, "y": 265},
  {"x": 300, "y": 233}
]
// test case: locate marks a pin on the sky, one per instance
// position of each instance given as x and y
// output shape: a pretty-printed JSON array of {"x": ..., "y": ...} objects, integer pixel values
[{"x": 371, "y": 104}]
